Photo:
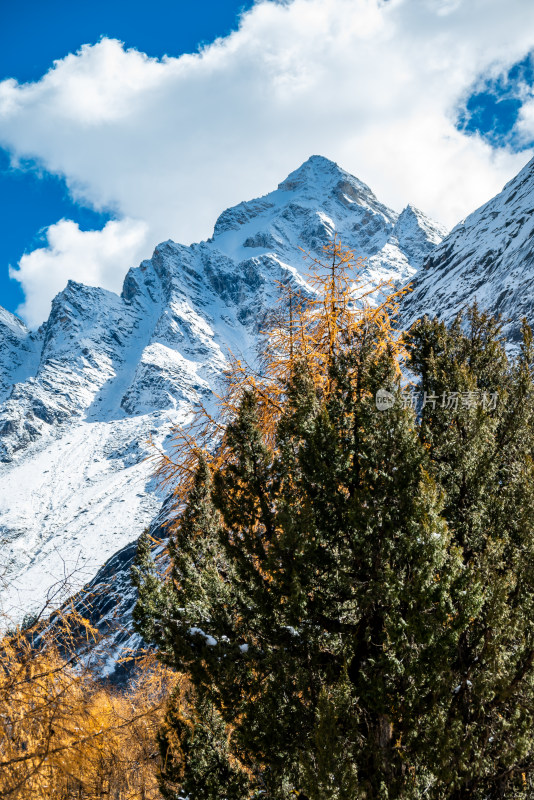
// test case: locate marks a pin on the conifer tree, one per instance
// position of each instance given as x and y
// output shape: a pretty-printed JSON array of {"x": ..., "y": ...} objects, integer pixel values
[
  {"x": 310, "y": 592},
  {"x": 481, "y": 445}
]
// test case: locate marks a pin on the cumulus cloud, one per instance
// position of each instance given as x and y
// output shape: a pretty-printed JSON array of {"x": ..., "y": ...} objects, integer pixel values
[
  {"x": 372, "y": 84},
  {"x": 97, "y": 258}
]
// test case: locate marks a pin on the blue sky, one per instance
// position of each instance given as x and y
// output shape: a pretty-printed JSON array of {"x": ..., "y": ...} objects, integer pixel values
[
  {"x": 32, "y": 35},
  {"x": 432, "y": 103},
  {"x": 494, "y": 105}
]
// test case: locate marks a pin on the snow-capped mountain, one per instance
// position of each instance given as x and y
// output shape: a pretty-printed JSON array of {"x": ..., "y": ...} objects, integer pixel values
[
  {"x": 488, "y": 257},
  {"x": 82, "y": 395}
]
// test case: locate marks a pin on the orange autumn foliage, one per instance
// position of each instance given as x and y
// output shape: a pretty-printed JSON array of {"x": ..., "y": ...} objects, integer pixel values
[
  {"x": 66, "y": 735},
  {"x": 338, "y": 307}
]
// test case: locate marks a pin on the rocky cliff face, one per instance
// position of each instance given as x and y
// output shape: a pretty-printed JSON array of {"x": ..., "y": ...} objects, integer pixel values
[
  {"x": 80, "y": 398},
  {"x": 489, "y": 257}
]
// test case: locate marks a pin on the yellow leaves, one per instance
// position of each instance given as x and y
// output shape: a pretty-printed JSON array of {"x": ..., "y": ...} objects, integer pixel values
[
  {"x": 65, "y": 735},
  {"x": 344, "y": 311}
]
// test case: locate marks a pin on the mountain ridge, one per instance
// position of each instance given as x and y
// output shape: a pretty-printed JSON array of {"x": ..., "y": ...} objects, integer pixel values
[
  {"x": 106, "y": 373},
  {"x": 488, "y": 257}
]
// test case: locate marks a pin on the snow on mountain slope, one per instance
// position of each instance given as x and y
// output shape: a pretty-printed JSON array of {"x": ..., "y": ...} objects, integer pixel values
[
  {"x": 105, "y": 372},
  {"x": 316, "y": 201},
  {"x": 488, "y": 257},
  {"x": 19, "y": 352},
  {"x": 70, "y": 504}
]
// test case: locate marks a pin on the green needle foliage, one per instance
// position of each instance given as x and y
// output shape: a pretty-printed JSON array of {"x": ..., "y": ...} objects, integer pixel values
[
  {"x": 484, "y": 744},
  {"x": 350, "y": 590}
]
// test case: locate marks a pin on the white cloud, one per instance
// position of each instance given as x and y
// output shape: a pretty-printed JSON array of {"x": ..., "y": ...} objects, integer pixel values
[
  {"x": 525, "y": 123},
  {"x": 97, "y": 258},
  {"x": 371, "y": 84}
]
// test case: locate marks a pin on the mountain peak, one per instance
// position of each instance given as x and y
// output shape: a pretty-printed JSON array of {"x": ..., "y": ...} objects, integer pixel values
[
  {"x": 412, "y": 218},
  {"x": 318, "y": 185},
  {"x": 411, "y": 211},
  {"x": 318, "y": 171},
  {"x": 11, "y": 323}
]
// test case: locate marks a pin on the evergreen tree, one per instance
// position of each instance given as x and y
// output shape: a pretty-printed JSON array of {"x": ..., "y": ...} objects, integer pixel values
[
  {"x": 310, "y": 595},
  {"x": 481, "y": 445}
]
